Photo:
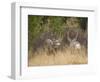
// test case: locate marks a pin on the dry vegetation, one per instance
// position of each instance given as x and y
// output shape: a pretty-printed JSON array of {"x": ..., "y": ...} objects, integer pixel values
[
  {"x": 58, "y": 29},
  {"x": 67, "y": 56}
]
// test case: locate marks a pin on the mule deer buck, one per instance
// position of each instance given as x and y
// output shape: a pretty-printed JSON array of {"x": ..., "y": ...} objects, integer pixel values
[
  {"x": 53, "y": 45},
  {"x": 74, "y": 43}
]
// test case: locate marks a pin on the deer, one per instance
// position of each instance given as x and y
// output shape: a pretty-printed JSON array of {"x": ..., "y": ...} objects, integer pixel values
[
  {"x": 53, "y": 45},
  {"x": 74, "y": 44}
]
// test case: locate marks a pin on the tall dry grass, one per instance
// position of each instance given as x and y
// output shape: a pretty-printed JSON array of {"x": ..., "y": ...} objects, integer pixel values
[{"x": 61, "y": 57}]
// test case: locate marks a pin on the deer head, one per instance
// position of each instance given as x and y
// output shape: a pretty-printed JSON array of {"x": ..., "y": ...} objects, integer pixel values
[
  {"x": 73, "y": 41},
  {"x": 54, "y": 43}
]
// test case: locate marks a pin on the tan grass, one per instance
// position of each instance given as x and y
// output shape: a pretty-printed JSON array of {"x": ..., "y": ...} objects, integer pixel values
[{"x": 67, "y": 56}]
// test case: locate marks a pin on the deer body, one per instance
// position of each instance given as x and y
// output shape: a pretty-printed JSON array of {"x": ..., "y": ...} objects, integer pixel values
[
  {"x": 53, "y": 45},
  {"x": 74, "y": 43}
]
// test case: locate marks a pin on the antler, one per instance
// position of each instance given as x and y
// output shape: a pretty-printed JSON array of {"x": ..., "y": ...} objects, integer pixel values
[
  {"x": 68, "y": 38},
  {"x": 76, "y": 36}
]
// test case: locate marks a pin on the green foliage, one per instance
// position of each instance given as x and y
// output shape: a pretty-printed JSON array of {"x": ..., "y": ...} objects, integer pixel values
[
  {"x": 84, "y": 23},
  {"x": 40, "y": 24},
  {"x": 33, "y": 28}
]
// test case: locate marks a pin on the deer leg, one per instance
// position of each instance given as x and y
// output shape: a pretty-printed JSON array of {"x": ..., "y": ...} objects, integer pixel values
[{"x": 49, "y": 51}]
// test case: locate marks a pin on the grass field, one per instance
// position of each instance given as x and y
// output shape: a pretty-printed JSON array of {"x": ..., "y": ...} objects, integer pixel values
[{"x": 67, "y": 56}]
